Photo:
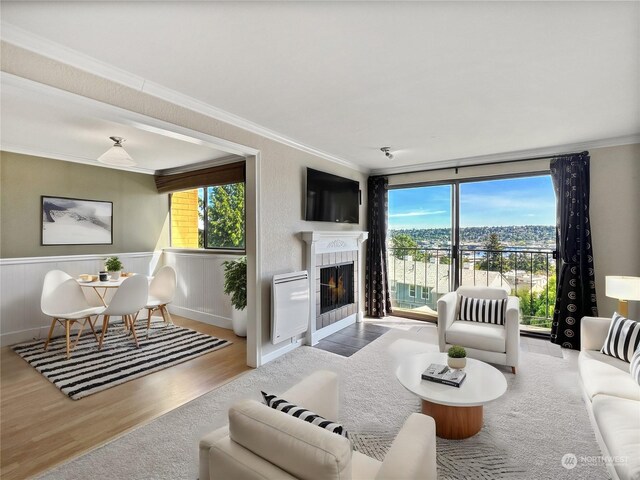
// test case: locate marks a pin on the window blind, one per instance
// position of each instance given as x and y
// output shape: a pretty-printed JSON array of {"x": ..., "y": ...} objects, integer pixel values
[{"x": 210, "y": 176}]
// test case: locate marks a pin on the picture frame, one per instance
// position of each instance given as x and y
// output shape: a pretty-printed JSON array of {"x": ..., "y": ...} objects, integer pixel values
[{"x": 75, "y": 221}]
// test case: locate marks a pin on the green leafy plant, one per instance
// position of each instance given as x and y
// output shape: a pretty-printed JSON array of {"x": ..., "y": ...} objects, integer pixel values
[
  {"x": 457, "y": 352},
  {"x": 235, "y": 281},
  {"x": 113, "y": 264}
]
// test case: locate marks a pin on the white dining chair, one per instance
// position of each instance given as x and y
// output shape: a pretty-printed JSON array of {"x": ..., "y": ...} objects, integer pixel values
[
  {"x": 63, "y": 300},
  {"x": 128, "y": 300},
  {"x": 161, "y": 293}
]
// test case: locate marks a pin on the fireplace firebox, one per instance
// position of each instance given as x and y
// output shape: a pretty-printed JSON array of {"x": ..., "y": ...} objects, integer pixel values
[{"x": 336, "y": 286}]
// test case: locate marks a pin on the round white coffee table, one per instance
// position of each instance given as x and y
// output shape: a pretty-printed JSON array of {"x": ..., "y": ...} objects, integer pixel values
[{"x": 457, "y": 411}]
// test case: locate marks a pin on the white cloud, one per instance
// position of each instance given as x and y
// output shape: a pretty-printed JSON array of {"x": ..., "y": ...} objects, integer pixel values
[
  {"x": 523, "y": 201},
  {"x": 420, "y": 213}
]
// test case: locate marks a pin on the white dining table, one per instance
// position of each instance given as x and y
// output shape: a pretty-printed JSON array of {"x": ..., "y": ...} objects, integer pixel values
[{"x": 104, "y": 286}]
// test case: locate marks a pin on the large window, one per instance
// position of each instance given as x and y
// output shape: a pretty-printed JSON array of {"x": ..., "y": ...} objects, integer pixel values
[
  {"x": 493, "y": 232},
  {"x": 209, "y": 217}
]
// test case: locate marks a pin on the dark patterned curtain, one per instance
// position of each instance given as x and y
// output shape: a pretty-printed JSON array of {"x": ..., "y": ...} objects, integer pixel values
[
  {"x": 376, "y": 290},
  {"x": 576, "y": 295}
]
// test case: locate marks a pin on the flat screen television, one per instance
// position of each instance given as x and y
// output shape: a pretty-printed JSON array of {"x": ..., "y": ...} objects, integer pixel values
[{"x": 331, "y": 198}]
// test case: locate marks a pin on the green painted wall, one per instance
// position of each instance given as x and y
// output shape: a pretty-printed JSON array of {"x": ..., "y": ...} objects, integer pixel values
[{"x": 140, "y": 214}]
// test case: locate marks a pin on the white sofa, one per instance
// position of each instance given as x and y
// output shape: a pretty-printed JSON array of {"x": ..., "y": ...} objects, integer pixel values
[
  {"x": 499, "y": 344},
  {"x": 262, "y": 443},
  {"x": 613, "y": 400}
]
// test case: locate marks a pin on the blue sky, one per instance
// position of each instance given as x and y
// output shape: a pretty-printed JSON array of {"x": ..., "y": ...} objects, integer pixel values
[{"x": 516, "y": 201}]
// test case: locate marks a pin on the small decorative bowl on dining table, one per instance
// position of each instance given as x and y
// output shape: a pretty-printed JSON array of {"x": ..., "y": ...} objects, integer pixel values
[{"x": 86, "y": 278}]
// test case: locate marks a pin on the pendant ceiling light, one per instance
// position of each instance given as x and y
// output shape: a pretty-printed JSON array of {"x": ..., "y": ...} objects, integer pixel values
[{"x": 117, "y": 155}]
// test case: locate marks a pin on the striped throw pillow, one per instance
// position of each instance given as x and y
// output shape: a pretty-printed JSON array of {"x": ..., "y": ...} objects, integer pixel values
[
  {"x": 483, "y": 310},
  {"x": 623, "y": 338},
  {"x": 635, "y": 366},
  {"x": 281, "y": 404}
]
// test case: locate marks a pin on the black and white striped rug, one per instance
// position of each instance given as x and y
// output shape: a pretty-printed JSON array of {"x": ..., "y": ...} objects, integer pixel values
[{"x": 89, "y": 370}]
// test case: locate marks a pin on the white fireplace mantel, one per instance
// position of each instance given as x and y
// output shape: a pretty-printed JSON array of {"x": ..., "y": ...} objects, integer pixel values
[
  {"x": 322, "y": 242},
  {"x": 330, "y": 241}
]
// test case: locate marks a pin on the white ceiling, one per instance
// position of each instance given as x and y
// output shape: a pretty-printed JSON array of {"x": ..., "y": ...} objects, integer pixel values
[
  {"x": 436, "y": 81},
  {"x": 59, "y": 126}
]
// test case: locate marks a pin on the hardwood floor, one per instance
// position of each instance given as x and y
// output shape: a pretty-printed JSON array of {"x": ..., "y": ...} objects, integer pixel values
[{"x": 41, "y": 427}]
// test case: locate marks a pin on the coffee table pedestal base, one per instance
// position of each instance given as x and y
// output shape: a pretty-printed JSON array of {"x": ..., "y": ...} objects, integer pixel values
[{"x": 454, "y": 423}]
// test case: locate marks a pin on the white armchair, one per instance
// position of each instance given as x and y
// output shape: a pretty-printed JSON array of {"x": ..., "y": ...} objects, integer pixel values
[
  {"x": 499, "y": 344},
  {"x": 261, "y": 442}
]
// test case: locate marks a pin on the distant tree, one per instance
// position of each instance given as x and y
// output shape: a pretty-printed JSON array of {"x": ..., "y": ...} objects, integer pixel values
[
  {"x": 526, "y": 261},
  {"x": 537, "y": 307},
  {"x": 445, "y": 260},
  {"x": 225, "y": 216},
  {"x": 492, "y": 258},
  {"x": 545, "y": 308},
  {"x": 403, "y": 245},
  {"x": 201, "y": 219},
  {"x": 526, "y": 305}
]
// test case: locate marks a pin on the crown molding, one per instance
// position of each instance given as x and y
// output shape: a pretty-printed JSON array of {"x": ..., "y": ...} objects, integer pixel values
[
  {"x": 35, "y": 43},
  {"x": 509, "y": 156}
]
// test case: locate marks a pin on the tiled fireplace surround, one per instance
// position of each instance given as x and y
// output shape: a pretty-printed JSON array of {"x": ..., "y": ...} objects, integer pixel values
[
  {"x": 328, "y": 249},
  {"x": 331, "y": 259}
]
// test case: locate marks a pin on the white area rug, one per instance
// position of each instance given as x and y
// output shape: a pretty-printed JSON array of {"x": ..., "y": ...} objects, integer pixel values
[{"x": 526, "y": 432}]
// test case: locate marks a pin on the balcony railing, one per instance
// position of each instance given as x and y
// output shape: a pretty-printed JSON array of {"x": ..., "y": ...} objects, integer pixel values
[{"x": 420, "y": 276}]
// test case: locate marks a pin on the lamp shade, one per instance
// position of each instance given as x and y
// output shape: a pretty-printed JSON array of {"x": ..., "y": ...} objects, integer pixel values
[
  {"x": 623, "y": 288},
  {"x": 117, "y": 155}
]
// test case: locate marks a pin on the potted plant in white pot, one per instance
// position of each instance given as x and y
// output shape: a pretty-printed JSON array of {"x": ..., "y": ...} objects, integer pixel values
[
  {"x": 235, "y": 284},
  {"x": 113, "y": 265},
  {"x": 457, "y": 357}
]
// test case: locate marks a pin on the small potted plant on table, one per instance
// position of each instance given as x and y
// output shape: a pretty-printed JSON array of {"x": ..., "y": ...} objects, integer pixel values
[
  {"x": 113, "y": 265},
  {"x": 457, "y": 357},
  {"x": 235, "y": 284}
]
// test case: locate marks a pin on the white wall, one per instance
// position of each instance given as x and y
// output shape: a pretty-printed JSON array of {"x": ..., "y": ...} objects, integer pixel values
[
  {"x": 615, "y": 219},
  {"x": 21, "y": 282},
  {"x": 199, "y": 293}
]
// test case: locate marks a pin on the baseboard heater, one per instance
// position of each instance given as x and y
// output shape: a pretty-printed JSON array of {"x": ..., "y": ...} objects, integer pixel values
[{"x": 289, "y": 305}]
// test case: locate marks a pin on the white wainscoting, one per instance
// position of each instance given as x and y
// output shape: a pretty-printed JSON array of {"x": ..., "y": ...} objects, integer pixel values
[
  {"x": 200, "y": 293},
  {"x": 21, "y": 286}
]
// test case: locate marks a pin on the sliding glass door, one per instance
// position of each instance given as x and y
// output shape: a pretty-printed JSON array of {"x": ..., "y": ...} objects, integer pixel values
[
  {"x": 497, "y": 232},
  {"x": 420, "y": 248}
]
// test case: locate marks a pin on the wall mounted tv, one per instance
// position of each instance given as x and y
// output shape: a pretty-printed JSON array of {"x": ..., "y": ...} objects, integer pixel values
[{"x": 331, "y": 198}]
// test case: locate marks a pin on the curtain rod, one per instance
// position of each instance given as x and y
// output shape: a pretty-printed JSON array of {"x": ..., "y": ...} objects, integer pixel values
[{"x": 544, "y": 157}]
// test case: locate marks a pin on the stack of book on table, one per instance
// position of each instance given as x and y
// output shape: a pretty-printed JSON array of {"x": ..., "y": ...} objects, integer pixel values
[{"x": 442, "y": 374}]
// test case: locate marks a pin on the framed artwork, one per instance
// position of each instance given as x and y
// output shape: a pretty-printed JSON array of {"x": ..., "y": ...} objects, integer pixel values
[{"x": 73, "y": 221}]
